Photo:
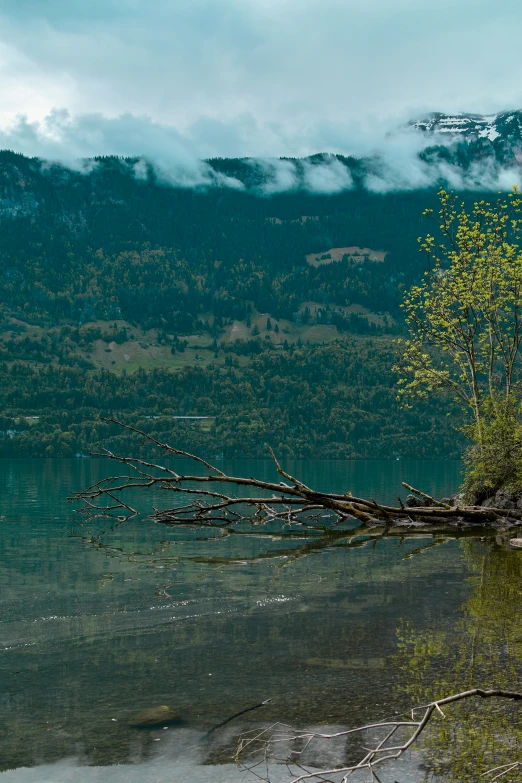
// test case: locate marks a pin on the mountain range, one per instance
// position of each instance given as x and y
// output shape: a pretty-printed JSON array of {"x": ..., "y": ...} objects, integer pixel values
[
  {"x": 248, "y": 295},
  {"x": 505, "y": 125},
  {"x": 467, "y": 139}
]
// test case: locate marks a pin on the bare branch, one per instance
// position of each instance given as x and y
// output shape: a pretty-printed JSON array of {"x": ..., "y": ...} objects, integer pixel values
[
  {"x": 164, "y": 446},
  {"x": 423, "y": 495},
  {"x": 291, "y": 503},
  {"x": 266, "y": 741}
]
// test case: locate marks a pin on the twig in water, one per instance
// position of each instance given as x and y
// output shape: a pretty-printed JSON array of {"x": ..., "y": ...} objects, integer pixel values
[{"x": 236, "y": 715}]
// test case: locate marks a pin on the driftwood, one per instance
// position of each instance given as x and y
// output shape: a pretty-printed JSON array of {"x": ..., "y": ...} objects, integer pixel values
[
  {"x": 208, "y": 499},
  {"x": 260, "y": 746}
]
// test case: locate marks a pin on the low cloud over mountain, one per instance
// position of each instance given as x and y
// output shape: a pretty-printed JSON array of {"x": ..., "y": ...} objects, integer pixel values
[{"x": 466, "y": 152}]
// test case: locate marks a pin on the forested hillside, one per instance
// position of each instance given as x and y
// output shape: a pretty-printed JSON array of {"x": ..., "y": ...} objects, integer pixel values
[
  {"x": 107, "y": 245},
  {"x": 272, "y": 314},
  {"x": 322, "y": 401}
]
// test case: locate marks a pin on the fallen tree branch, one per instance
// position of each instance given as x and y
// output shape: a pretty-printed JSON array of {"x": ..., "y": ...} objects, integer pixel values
[
  {"x": 424, "y": 496},
  {"x": 204, "y": 501},
  {"x": 265, "y": 742}
]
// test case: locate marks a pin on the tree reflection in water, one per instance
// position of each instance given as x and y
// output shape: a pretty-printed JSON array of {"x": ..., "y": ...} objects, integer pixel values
[{"x": 483, "y": 650}]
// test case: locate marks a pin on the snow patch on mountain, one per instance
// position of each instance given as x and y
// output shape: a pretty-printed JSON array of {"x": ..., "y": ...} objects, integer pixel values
[{"x": 472, "y": 126}]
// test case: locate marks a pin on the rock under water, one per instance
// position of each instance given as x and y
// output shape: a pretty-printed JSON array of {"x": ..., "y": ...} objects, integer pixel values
[{"x": 156, "y": 716}]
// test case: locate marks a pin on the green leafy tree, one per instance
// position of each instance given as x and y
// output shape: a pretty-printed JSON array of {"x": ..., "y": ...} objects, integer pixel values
[{"x": 465, "y": 328}]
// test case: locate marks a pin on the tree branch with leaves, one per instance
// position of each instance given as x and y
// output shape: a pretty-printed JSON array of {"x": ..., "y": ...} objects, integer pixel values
[{"x": 465, "y": 327}]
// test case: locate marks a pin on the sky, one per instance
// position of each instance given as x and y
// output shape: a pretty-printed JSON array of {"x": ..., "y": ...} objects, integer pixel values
[{"x": 180, "y": 80}]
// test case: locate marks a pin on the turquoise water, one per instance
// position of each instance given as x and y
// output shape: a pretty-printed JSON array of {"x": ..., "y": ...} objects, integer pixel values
[{"x": 96, "y": 625}]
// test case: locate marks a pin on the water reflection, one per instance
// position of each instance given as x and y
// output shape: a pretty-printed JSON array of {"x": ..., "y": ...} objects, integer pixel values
[
  {"x": 482, "y": 649},
  {"x": 96, "y": 627},
  {"x": 177, "y": 758}
]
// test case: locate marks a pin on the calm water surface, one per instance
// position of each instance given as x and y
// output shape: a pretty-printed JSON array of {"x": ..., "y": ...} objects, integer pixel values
[{"x": 98, "y": 624}]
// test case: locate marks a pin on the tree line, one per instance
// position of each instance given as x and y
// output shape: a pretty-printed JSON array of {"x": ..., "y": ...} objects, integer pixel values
[{"x": 335, "y": 401}]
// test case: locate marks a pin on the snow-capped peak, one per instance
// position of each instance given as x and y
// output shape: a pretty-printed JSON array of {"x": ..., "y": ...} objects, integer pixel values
[{"x": 472, "y": 126}]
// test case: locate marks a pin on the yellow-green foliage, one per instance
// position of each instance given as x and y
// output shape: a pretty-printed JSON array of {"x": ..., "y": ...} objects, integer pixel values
[
  {"x": 495, "y": 459},
  {"x": 483, "y": 646},
  {"x": 464, "y": 318}
]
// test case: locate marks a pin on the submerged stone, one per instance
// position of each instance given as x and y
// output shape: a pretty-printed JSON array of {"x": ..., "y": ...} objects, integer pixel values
[
  {"x": 156, "y": 716},
  {"x": 516, "y": 543}
]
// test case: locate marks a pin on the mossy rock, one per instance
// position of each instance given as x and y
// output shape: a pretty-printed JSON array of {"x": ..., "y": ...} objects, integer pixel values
[{"x": 156, "y": 716}]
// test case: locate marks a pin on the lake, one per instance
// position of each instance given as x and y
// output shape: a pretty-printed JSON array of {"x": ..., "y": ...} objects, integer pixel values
[{"x": 99, "y": 624}]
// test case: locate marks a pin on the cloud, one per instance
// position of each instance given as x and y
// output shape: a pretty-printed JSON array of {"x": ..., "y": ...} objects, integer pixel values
[
  {"x": 178, "y": 81},
  {"x": 61, "y": 138},
  {"x": 397, "y": 166},
  {"x": 392, "y": 161},
  {"x": 286, "y": 64},
  {"x": 177, "y": 757},
  {"x": 328, "y": 177}
]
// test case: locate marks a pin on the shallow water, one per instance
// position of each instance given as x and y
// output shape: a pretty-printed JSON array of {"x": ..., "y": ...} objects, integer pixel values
[{"x": 95, "y": 626}]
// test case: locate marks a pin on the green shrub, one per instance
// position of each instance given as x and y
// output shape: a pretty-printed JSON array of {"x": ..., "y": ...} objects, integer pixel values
[{"x": 494, "y": 461}]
